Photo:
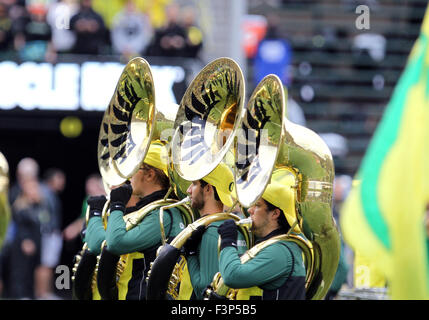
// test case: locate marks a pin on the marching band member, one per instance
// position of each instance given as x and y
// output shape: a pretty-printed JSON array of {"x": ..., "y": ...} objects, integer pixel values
[
  {"x": 93, "y": 235},
  {"x": 208, "y": 196},
  {"x": 150, "y": 183},
  {"x": 277, "y": 271}
]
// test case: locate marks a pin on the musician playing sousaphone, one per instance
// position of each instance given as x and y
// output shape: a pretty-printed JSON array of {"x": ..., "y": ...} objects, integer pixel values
[
  {"x": 277, "y": 272},
  {"x": 150, "y": 183},
  {"x": 296, "y": 251},
  {"x": 132, "y": 157},
  {"x": 93, "y": 236},
  {"x": 296, "y": 208},
  {"x": 209, "y": 196},
  {"x": 209, "y": 115}
]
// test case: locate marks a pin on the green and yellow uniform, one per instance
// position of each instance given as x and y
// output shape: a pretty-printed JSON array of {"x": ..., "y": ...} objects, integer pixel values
[
  {"x": 138, "y": 245},
  {"x": 203, "y": 266},
  {"x": 84, "y": 284},
  {"x": 276, "y": 272},
  {"x": 94, "y": 237}
]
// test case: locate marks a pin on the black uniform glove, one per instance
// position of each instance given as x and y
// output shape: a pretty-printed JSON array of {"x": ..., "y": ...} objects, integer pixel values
[
  {"x": 120, "y": 196},
  {"x": 191, "y": 245},
  {"x": 96, "y": 205},
  {"x": 228, "y": 233}
]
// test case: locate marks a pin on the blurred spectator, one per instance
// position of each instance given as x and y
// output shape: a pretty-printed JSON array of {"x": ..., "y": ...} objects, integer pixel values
[
  {"x": 27, "y": 168},
  {"x": 89, "y": 29},
  {"x": 19, "y": 15},
  {"x": 274, "y": 54},
  {"x": 58, "y": 17},
  {"x": 93, "y": 187},
  {"x": 33, "y": 36},
  {"x": 170, "y": 39},
  {"x": 38, "y": 199},
  {"x": 53, "y": 183},
  {"x": 194, "y": 35},
  {"x": 131, "y": 31},
  {"x": 24, "y": 251},
  {"x": 6, "y": 38}
]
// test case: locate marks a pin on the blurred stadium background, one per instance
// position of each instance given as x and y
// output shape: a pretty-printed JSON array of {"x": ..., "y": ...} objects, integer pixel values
[{"x": 339, "y": 73}]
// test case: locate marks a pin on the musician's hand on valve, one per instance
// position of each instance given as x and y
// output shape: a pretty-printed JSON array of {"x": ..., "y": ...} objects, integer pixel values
[
  {"x": 194, "y": 240},
  {"x": 96, "y": 204},
  {"x": 228, "y": 233},
  {"x": 119, "y": 197}
]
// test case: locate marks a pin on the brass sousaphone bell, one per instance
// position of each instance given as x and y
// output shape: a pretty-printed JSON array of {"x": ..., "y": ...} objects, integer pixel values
[{"x": 131, "y": 123}]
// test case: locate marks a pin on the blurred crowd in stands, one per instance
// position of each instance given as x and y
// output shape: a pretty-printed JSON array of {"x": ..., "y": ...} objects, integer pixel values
[{"x": 41, "y": 30}]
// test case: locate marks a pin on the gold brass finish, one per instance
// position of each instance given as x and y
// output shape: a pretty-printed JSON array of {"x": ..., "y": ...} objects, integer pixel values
[
  {"x": 5, "y": 212},
  {"x": 131, "y": 122},
  {"x": 4, "y": 174},
  {"x": 105, "y": 213},
  {"x": 179, "y": 184},
  {"x": 188, "y": 218},
  {"x": 306, "y": 152},
  {"x": 257, "y": 142},
  {"x": 270, "y": 146},
  {"x": 209, "y": 115},
  {"x": 181, "y": 238},
  {"x": 131, "y": 111},
  {"x": 105, "y": 163},
  {"x": 134, "y": 121}
]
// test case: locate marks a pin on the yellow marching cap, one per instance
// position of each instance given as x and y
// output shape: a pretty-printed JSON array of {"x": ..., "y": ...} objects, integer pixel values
[
  {"x": 222, "y": 178},
  {"x": 157, "y": 156},
  {"x": 281, "y": 193}
]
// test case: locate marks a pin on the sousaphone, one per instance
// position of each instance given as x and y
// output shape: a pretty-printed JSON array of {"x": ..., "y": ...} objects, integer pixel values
[
  {"x": 209, "y": 116},
  {"x": 269, "y": 147},
  {"x": 131, "y": 122}
]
